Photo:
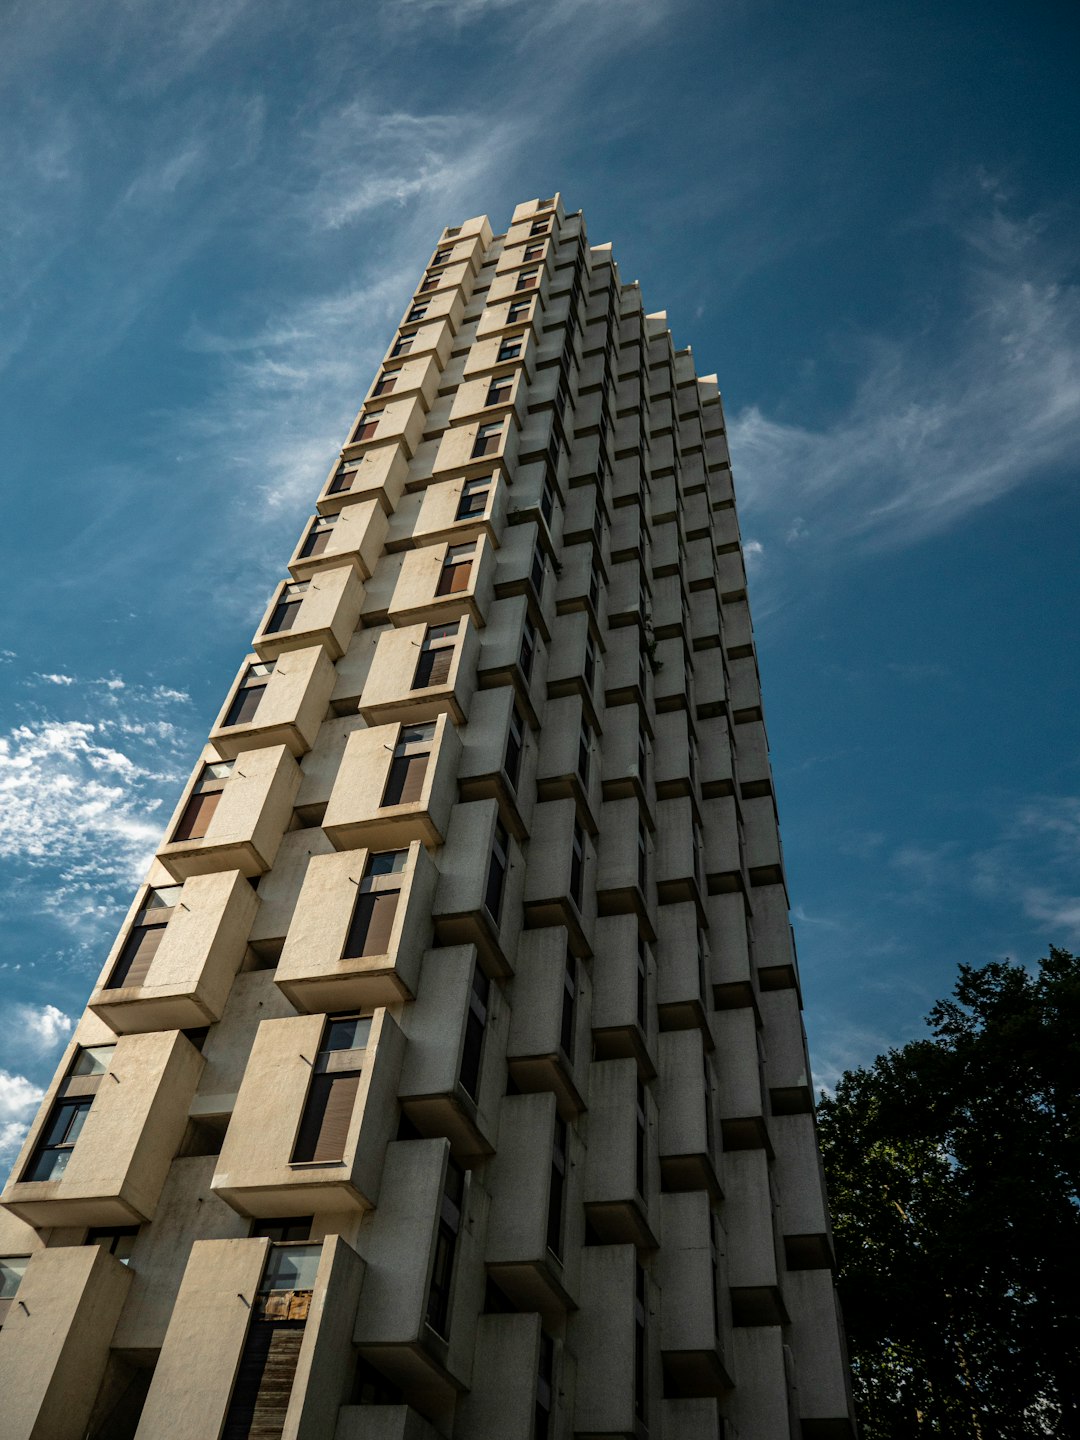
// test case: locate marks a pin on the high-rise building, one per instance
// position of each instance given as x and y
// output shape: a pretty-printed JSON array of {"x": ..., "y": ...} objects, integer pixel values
[{"x": 447, "y": 1077}]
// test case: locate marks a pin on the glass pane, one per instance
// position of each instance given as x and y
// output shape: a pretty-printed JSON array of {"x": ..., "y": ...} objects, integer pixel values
[
  {"x": 93, "y": 1061},
  {"x": 388, "y": 862},
  {"x": 351, "y": 1034},
  {"x": 76, "y": 1122},
  {"x": 12, "y": 1269},
  {"x": 291, "y": 1267},
  {"x": 165, "y": 898}
]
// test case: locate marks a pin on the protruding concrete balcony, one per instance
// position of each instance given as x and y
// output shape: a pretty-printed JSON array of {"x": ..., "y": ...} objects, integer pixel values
[
  {"x": 560, "y": 888},
  {"x": 451, "y": 512},
  {"x": 687, "y": 1118},
  {"x": 606, "y": 1334},
  {"x": 240, "y": 1298},
  {"x": 626, "y": 863},
  {"x": 741, "y": 1080},
  {"x": 682, "y": 969},
  {"x": 420, "y": 672},
  {"x": 361, "y": 922},
  {"x": 106, "y": 1133},
  {"x": 54, "y": 1345},
  {"x": 623, "y": 993},
  {"x": 323, "y": 610},
  {"x": 444, "y": 581},
  {"x": 430, "y": 1362},
  {"x": 395, "y": 784},
  {"x": 319, "y": 1147},
  {"x": 176, "y": 956},
  {"x": 518, "y": 1371},
  {"x": 621, "y": 1181},
  {"x": 695, "y": 1324},
  {"x": 481, "y": 879},
  {"x": 451, "y": 1079},
  {"x": 377, "y": 474},
  {"x": 514, "y": 653},
  {"x": 353, "y": 535},
  {"x": 577, "y": 665},
  {"x": 382, "y": 421},
  {"x": 498, "y": 758},
  {"x": 755, "y": 1266},
  {"x": 534, "y": 1232},
  {"x": 628, "y": 670},
  {"x": 546, "y": 1049},
  {"x": 232, "y": 814},
  {"x": 570, "y": 759},
  {"x": 275, "y": 702}
]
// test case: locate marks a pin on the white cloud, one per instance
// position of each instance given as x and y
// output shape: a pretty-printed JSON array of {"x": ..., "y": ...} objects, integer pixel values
[
  {"x": 57, "y": 679},
  {"x": 945, "y": 420},
  {"x": 753, "y": 556},
  {"x": 19, "y": 1098},
  {"x": 45, "y": 1027}
]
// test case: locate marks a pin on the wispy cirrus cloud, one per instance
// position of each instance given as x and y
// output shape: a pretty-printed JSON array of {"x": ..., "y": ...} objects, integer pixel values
[
  {"x": 19, "y": 1098},
  {"x": 945, "y": 420}
]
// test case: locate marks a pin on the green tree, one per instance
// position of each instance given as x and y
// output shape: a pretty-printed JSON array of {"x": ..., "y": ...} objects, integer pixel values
[{"x": 954, "y": 1173}]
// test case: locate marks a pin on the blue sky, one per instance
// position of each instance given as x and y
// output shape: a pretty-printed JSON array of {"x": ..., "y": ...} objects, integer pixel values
[{"x": 860, "y": 215}]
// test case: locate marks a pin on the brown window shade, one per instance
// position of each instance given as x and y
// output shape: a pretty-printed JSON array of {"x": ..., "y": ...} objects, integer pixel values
[
  {"x": 196, "y": 818},
  {"x": 434, "y": 667},
  {"x": 139, "y": 949},
  {"x": 315, "y": 543},
  {"x": 405, "y": 784},
  {"x": 264, "y": 1381},
  {"x": 372, "y": 924},
  {"x": 325, "y": 1126},
  {"x": 284, "y": 616},
  {"x": 454, "y": 578},
  {"x": 242, "y": 710}
]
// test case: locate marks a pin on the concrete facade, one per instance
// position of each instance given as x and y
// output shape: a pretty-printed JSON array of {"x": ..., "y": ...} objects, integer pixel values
[{"x": 447, "y": 1079}]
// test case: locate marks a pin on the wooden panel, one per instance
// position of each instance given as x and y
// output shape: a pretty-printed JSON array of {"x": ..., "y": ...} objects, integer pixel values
[
  {"x": 325, "y": 1126},
  {"x": 372, "y": 923},
  {"x": 242, "y": 710},
  {"x": 406, "y": 781},
  {"x": 134, "y": 962},
  {"x": 434, "y": 667},
  {"x": 196, "y": 818},
  {"x": 264, "y": 1381}
]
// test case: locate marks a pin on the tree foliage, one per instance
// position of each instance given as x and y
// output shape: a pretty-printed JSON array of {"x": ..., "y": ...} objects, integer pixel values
[{"x": 953, "y": 1167}]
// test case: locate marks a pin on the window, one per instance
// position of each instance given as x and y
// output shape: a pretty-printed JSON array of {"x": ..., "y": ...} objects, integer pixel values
[
  {"x": 583, "y": 751},
  {"x": 499, "y": 390},
  {"x": 287, "y": 608},
  {"x": 640, "y": 1351},
  {"x": 475, "y": 1027},
  {"x": 442, "y": 1270},
  {"x": 537, "y": 569},
  {"x": 199, "y": 811},
  {"x": 12, "y": 1270},
  {"x": 642, "y": 753},
  {"x": 527, "y": 279},
  {"x": 290, "y": 1265},
  {"x": 144, "y": 937},
  {"x": 385, "y": 384},
  {"x": 366, "y": 426},
  {"x": 557, "y": 1188},
  {"x": 532, "y": 252},
  {"x": 292, "y": 1230},
  {"x": 547, "y": 498},
  {"x": 641, "y": 1138},
  {"x": 540, "y": 227},
  {"x": 375, "y": 911},
  {"x": 456, "y": 569},
  {"x": 518, "y": 310},
  {"x": 441, "y": 257},
  {"x": 569, "y": 996},
  {"x": 415, "y": 314},
  {"x": 474, "y": 498},
  {"x": 436, "y": 656},
  {"x": 68, "y": 1115},
  {"x": 528, "y": 649},
  {"x": 324, "y": 1126},
  {"x": 589, "y": 668},
  {"x": 642, "y": 857},
  {"x": 496, "y": 876},
  {"x": 318, "y": 535},
  {"x": 488, "y": 439},
  {"x": 594, "y": 582},
  {"x": 249, "y": 693},
  {"x": 405, "y": 783},
  {"x": 431, "y": 283},
  {"x": 642, "y": 982},
  {"x": 515, "y": 744},
  {"x": 577, "y": 864},
  {"x": 402, "y": 346},
  {"x": 344, "y": 478},
  {"x": 510, "y": 349},
  {"x": 118, "y": 1240}
]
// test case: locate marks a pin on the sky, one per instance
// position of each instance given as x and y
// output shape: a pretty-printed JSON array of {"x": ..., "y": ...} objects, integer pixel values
[{"x": 862, "y": 218}]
